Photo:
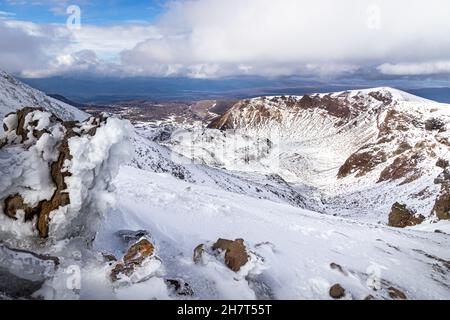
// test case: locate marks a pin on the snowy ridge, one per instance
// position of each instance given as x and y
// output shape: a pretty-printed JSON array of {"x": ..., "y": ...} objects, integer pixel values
[
  {"x": 15, "y": 95},
  {"x": 316, "y": 139}
]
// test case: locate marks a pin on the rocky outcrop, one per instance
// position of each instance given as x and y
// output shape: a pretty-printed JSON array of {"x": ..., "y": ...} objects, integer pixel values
[
  {"x": 442, "y": 204},
  {"x": 136, "y": 255},
  {"x": 235, "y": 253},
  {"x": 402, "y": 217},
  {"x": 44, "y": 142},
  {"x": 395, "y": 293},
  {"x": 337, "y": 291},
  {"x": 404, "y": 167},
  {"x": 361, "y": 163},
  {"x": 434, "y": 124},
  {"x": 442, "y": 163},
  {"x": 180, "y": 287}
]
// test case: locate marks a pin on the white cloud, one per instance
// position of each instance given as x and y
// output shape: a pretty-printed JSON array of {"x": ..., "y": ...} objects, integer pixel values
[
  {"x": 291, "y": 36},
  {"x": 213, "y": 38},
  {"x": 414, "y": 69}
]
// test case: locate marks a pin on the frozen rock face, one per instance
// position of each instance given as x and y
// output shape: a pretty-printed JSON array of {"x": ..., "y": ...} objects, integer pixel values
[
  {"x": 56, "y": 175},
  {"x": 401, "y": 217},
  {"x": 442, "y": 205}
]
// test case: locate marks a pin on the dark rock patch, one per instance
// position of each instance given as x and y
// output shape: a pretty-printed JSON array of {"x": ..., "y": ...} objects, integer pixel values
[
  {"x": 395, "y": 293},
  {"x": 401, "y": 217},
  {"x": 337, "y": 291},
  {"x": 235, "y": 253}
]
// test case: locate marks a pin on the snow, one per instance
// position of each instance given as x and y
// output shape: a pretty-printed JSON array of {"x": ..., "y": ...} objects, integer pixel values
[
  {"x": 307, "y": 148},
  {"x": 95, "y": 160},
  {"x": 297, "y": 245},
  {"x": 15, "y": 95},
  {"x": 181, "y": 203}
]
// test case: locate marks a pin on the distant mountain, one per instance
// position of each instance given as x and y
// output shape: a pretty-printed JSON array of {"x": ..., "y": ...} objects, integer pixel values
[
  {"x": 67, "y": 101},
  {"x": 108, "y": 90},
  {"x": 363, "y": 150}
]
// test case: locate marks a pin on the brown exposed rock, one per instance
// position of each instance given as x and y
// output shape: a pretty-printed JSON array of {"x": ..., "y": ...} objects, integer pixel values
[
  {"x": 369, "y": 297},
  {"x": 386, "y": 98},
  {"x": 442, "y": 205},
  {"x": 337, "y": 292},
  {"x": 362, "y": 163},
  {"x": 401, "y": 217},
  {"x": 139, "y": 251},
  {"x": 225, "y": 121},
  {"x": 395, "y": 121},
  {"x": 442, "y": 163},
  {"x": 434, "y": 124},
  {"x": 58, "y": 173},
  {"x": 134, "y": 257},
  {"x": 15, "y": 203},
  {"x": 404, "y": 146},
  {"x": 59, "y": 198},
  {"x": 395, "y": 293},
  {"x": 21, "y": 130},
  {"x": 235, "y": 253},
  {"x": 404, "y": 166},
  {"x": 333, "y": 106},
  {"x": 120, "y": 269}
]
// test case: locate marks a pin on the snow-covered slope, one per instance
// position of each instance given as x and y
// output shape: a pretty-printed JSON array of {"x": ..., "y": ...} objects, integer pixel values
[
  {"x": 74, "y": 224},
  {"x": 364, "y": 150},
  {"x": 297, "y": 245},
  {"x": 154, "y": 157},
  {"x": 15, "y": 95}
]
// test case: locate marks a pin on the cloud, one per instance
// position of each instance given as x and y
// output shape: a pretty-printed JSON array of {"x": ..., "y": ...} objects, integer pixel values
[
  {"x": 216, "y": 38},
  {"x": 23, "y": 47},
  {"x": 6, "y": 14},
  {"x": 34, "y": 50},
  {"x": 414, "y": 69}
]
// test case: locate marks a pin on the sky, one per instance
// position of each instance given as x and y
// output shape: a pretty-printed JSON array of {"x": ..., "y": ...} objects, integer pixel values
[{"x": 210, "y": 39}]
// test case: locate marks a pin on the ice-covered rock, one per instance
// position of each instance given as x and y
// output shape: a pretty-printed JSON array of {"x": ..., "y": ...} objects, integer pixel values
[{"x": 56, "y": 175}]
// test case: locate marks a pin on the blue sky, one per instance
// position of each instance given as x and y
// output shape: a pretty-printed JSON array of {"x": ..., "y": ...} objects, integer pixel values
[{"x": 104, "y": 12}]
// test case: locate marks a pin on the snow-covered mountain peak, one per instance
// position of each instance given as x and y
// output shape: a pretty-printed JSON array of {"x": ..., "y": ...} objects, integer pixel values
[{"x": 341, "y": 143}]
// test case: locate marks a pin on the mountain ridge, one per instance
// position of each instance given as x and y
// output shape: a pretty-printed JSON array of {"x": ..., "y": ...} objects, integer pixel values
[{"x": 15, "y": 94}]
